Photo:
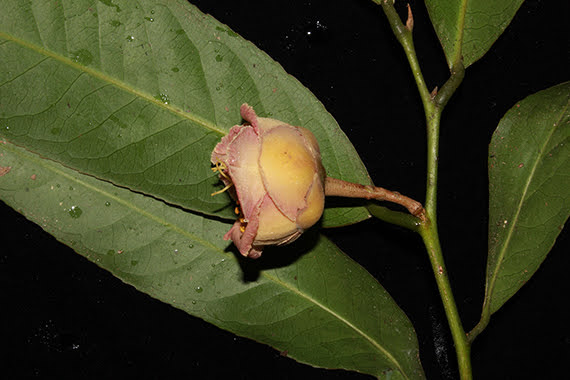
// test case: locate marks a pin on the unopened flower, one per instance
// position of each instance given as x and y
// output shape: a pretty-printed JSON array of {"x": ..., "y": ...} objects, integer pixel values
[{"x": 274, "y": 172}]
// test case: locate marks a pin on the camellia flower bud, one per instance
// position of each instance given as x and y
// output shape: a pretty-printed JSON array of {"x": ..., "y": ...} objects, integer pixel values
[{"x": 274, "y": 172}]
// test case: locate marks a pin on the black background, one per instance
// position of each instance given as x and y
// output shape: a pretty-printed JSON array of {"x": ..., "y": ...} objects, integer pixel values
[{"x": 62, "y": 316}]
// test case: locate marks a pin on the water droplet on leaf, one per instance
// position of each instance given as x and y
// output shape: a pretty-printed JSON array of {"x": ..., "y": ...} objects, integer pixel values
[
  {"x": 75, "y": 212},
  {"x": 82, "y": 56},
  {"x": 110, "y": 3},
  {"x": 162, "y": 98}
]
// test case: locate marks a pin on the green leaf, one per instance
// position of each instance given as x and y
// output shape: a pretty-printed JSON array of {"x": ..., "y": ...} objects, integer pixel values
[
  {"x": 469, "y": 28},
  {"x": 308, "y": 299},
  {"x": 138, "y": 94},
  {"x": 529, "y": 188}
]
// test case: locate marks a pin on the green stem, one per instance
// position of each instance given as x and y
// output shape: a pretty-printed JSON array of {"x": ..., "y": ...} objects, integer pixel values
[
  {"x": 430, "y": 237},
  {"x": 433, "y": 106},
  {"x": 404, "y": 36}
]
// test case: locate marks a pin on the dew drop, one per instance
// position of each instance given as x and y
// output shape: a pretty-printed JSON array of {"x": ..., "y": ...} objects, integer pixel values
[
  {"x": 193, "y": 302},
  {"x": 110, "y": 3},
  {"x": 219, "y": 58},
  {"x": 107, "y": 203},
  {"x": 191, "y": 246},
  {"x": 149, "y": 19},
  {"x": 199, "y": 289},
  {"x": 130, "y": 38},
  {"x": 75, "y": 212},
  {"x": 162, "y": 98},
  {"x": 82, "y": 56}
]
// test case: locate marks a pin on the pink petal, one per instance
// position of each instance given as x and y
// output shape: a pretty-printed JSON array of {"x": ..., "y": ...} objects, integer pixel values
[
  {"x": 243, "y": 168},
  {"x": 255, "y": 253},
  {"x": 249, "y": 115},
  {"x": 221, "y": 149},
  {"x": 244, "y": 240}
]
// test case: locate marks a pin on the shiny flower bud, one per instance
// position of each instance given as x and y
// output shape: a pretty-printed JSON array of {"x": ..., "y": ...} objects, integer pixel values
[{"x": 274, "y": 172}]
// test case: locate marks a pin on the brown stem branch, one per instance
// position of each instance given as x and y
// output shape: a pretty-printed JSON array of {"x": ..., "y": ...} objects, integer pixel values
[{"x": 338, "y": 187}]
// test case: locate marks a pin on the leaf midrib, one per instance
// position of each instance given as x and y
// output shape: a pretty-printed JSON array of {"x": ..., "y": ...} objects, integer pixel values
[
  {"x": 114, "y": 82},
  {"x": 48, "y": 165},
  {"x": 515, "y": 218},
  {"x": 340, "y": 318},
  {"x": 458, "y": 46}
]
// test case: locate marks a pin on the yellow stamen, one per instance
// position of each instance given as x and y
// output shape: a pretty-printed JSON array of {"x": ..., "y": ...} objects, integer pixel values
[
  {"x": 221, "y": 191},
  {"x": 243, "y": 224},
  {"x": 220, "y": 167}
]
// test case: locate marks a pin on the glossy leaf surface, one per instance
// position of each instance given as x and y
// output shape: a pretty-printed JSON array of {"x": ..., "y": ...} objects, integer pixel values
[
  {"x": 470, "y": 28},
  {"x": 139, "y": 93},
  {"x": 529, "y": 186},
  {"x": 308, "y": 300}
]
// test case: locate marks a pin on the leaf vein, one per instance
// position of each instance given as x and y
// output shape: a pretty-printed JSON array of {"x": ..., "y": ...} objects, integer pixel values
[{"x": 115, "y": 82}]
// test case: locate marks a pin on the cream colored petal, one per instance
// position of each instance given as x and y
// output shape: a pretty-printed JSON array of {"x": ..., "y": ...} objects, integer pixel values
[
  {"x": 311, "y": 141},
  {"x": 265, "y": 124},
  {"x": 315, "y": 205},
  {"x": 287, "y": 168},
  {"x": 274, "y": 227}
]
